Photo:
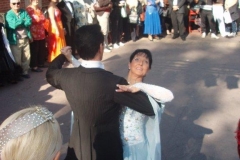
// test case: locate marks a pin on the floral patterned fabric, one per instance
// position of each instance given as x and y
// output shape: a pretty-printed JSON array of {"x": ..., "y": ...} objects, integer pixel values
[
  {"x": 80, "y": 12},
  {"x": 38, "y": 22}
]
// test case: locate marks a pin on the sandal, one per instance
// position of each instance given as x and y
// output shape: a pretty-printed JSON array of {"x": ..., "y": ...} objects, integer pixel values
[{"x": 150, "y": 37}]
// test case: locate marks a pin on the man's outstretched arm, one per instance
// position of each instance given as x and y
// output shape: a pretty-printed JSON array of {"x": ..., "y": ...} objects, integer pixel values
[{"x": 53, "y": 73}]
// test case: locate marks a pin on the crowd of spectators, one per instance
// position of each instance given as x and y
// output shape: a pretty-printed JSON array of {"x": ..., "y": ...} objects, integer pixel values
[{"x": 36, "y": 35}]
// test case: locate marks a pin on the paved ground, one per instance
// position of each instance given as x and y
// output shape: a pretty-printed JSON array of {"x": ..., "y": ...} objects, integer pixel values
[{"x": 203, "y": 74}]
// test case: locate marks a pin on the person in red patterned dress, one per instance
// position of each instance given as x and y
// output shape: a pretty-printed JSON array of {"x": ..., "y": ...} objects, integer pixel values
[{"x": 37, "y": 46}]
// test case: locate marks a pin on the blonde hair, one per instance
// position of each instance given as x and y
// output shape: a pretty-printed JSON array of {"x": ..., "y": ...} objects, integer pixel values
[{"x": 40, "y": 143}]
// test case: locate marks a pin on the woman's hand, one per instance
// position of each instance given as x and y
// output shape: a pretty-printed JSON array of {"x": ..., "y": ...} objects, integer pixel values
[
  {"x": 65, "y": 32},
  {"x": 127, "y": 88}
]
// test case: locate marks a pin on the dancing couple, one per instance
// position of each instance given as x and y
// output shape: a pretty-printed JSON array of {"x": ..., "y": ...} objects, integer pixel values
[{"x": 103, "y": 129}]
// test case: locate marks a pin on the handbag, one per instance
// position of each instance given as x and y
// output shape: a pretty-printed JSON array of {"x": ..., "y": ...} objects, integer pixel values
[
  {"x": 103, "y": 3},
  {"x": 197, "y": 21},
  {"x": 227, "y": 17},
  {"x": 133, "y": 17},
  {"x": 123, "y": 12},
  {"x": 165, "y": 12},
  {"x": 142, "y": 16}
]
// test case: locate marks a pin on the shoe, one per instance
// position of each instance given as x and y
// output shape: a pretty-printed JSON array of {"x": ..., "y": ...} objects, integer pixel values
[
  {"x": 183, "y": 38},
  {"x": 110, "y": 47},
  {"x": 42, "y": 66},
  {"x": 231, "y": 35},
  {"x": 19, "y": 79},
  {"x": 36, "y": 70},
  {"x": 203, "y": 34},
  {"x": 13, "y": 81},
  {"x": 26, "y": 76},
  {"x": 214, "y": 36},
  {"x": 223, "y": 35},
  {"x": 115, "y": 45},
  {"x": 121, "y": 44},
  {"x": 227, "y": 34},
  {"x": 168, "y": 32},
  {"x": 106, "y": 50},
  {"x": 175, "y": 36},
  {"x": 156, "y": 37},
  {"x": 150, "y": 38}
]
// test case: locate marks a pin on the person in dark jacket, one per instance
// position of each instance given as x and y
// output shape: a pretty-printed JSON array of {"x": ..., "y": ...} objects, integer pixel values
[
  {"x": 177, "y": 9},
  {"x": 91, "y": 92},
  {"x": 9, "y": 70},
  {"x": 68, "y": 21}
]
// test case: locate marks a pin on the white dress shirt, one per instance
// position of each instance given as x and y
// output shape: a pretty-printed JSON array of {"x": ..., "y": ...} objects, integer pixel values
[
  {"x": 175, "y": 2},
  {"x": 87, "y": 64}
]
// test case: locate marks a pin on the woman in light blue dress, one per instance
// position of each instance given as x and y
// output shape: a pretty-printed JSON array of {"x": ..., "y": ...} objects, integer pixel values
[
  {"x": 140, "y": 134},
  {"x": 152, "y": 25}
]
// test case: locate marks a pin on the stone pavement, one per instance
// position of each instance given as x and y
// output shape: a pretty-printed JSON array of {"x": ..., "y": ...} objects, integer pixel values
[{"x": 203, "y": 74}]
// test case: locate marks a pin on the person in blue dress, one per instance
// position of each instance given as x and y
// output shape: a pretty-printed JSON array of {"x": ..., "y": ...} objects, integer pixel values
[
  {"x": 140, "y": 134},
  {"x": 152, "y": 25}
]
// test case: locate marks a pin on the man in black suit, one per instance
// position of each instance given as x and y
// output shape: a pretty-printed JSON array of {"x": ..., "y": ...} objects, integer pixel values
[
  {"x": 68, "y": 21},
  {"x": 177, "y": 9},
  {"x": 91, "y": 93}
]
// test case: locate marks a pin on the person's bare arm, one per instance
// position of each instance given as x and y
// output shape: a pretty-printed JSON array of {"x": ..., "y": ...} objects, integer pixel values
[
  {"x": 52, "y": 20},
  {"x": 98, "y": 9}
]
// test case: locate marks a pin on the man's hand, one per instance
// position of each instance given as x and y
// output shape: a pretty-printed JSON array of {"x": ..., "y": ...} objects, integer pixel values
[
  {"x": 67, "y": 52},
  {"x": 30, "y": 40},
  {"x": 197, "y": 11},
  {"x": 127, "y": 88},
  {"x": 175, "y": 8}
]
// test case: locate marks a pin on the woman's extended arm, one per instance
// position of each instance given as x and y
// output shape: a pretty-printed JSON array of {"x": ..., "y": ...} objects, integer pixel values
[{"x": 160, "y": 94}]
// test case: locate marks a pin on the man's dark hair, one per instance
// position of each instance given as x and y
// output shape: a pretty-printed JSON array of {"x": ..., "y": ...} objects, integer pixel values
[
  {"x": 146, "y": 52},
  {"x": 87, "y": 40}
]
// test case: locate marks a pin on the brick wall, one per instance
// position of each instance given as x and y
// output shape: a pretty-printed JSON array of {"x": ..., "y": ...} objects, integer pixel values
[
  {"x": 5, "y": 5},
  {"x": 45, "y": 3}
]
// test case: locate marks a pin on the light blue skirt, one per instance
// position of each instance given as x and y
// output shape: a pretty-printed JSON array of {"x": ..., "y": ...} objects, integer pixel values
[{"x": 152, "y": 24}]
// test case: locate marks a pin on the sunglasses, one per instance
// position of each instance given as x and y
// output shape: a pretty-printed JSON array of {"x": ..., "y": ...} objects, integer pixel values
[{"x": 18, "y": 3}]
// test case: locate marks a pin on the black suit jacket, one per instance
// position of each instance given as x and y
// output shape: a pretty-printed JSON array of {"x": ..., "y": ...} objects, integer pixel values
[
  {"x": 68, "y": 21},
  {"x": 96, "y": 107}
]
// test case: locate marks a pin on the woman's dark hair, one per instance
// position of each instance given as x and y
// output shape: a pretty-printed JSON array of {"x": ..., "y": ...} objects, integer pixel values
[
  {"x": 87, "y": 40},
  {"x": 145, "y": 52}
]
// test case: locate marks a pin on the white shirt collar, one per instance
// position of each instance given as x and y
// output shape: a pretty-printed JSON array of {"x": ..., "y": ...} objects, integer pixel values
[{"x": 92, "y": 64}]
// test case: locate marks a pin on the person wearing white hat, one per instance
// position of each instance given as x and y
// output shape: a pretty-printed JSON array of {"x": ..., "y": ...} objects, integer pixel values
[{"x": 18, "y": 24}]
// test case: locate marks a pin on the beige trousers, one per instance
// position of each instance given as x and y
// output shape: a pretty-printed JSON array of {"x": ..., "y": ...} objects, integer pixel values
[
  {"x": 103, "y": 20},
  {"x": 21, "y": 53}
]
